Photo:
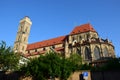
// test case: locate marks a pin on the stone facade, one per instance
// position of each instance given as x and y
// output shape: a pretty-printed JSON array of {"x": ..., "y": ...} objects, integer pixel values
[
  {"x": 83, "y": 40},
  {"x": 77, "y": 75},
  {"x": 21, "y": 42}
]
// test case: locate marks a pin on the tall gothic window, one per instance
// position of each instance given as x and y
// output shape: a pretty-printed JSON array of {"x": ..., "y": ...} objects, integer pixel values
[
  {"x": 88, "y": 36},
  {"x": 96, "y": 53},
  {"x": 87, "y": 54},
  {"x": 80, "y": 38},
  {"x": 105, "y": 52},
  {"x": 73, "y": 38}
]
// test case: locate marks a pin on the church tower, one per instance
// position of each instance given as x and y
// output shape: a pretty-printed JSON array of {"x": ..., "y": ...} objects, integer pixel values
[{"x": 21, "y": 42}]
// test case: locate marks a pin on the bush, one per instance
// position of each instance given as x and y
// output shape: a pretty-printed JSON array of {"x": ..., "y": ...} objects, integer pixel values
[{"x": 50, "y": 66}]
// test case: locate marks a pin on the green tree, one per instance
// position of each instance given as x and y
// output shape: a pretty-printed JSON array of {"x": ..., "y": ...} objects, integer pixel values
[
  {"x": 49, "y": 66},
  {"x": 76, "y": 59},
  {"x": 8, "y": 59},
  {"x": 67, "y": 67},
  {"x": 43, "y": 67},
  {"x": 111, "y": 64}
]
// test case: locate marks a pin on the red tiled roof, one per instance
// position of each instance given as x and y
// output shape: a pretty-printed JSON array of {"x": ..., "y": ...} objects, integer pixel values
[
  {"x": 34, "y": 53},
  {"x": 82, "y": 28},
  {"x": 42, "y": 52},
  {"x": 58, "y": 40},
  {"x": 45, "y": 43}
]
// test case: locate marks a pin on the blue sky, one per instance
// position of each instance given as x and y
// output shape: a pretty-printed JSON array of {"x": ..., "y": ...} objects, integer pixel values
[{"x": 52, "y": 18}]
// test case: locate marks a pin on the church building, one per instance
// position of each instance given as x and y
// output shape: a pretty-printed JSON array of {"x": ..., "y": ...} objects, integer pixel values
[{"x": 82, "y": 40}]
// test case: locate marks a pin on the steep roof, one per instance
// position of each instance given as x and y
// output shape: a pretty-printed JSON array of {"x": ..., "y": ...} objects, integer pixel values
[
  {"x": 45, "y": 43},
  {"x": 82, "y": 28}
]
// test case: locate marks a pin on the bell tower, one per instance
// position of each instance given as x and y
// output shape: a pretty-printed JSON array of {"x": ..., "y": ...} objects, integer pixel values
[{"x": 21, "y": 41}]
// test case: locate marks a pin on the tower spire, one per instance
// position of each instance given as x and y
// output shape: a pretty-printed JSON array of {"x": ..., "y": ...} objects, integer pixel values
[{"x": 21, "y": 41}]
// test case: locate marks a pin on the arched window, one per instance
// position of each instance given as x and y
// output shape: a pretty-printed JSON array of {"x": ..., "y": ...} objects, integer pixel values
[
  {"x": 96, "y": 53},
  {"x": 105, "y": 52},
  {"x": 35, "y": 50},
  {"x": 73, "y": 38},
  {"x": 44, "y": 49},
  {"x": 53, "y": 46},
  {"x": 87, "y": 54},
  {"x": 21, "y": 28},
  {"x": 80, "y": 38}
]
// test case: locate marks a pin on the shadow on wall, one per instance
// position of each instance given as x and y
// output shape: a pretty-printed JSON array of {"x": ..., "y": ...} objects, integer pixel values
[
  {"x": 81, "y": 77},
  {"x": 11, "y": 75}
]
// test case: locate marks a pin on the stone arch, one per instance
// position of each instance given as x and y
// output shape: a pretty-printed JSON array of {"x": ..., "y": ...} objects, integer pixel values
[
  {"x": 96, "y": 53},
  {"x": 105, "y": 52},
  {"x": 87, "y": 55}
]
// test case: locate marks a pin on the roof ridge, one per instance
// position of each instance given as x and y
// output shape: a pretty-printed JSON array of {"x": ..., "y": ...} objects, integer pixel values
[
  {"x": 82, "y": 28},
  {"x": 47, "y": 40},
  {"x": 45, "y": 43}
]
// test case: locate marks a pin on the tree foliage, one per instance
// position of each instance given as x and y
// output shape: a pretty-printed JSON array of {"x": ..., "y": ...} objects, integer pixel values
[
  {"x": 113, "y": 64},
  {"x": 54, "y": 66},
  {"x": 50, "y": 66},
  {"x": 76, "y": 59},
  {"x": 110, "y": 64},
  {"x": 8, "y": 59}
]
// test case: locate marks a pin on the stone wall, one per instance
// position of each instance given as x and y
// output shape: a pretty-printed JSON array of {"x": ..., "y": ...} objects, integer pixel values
[
  {"x": 96, "y": 75},
  {"x": 105, "y": 75},
  {"x": 78, "y": 75}
]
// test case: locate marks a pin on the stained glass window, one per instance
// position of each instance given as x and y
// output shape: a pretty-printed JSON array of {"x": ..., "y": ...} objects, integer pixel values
[
  {"x": 105, "y": 52},
  {"x": 87, "y": 54},
  {"x": 96, "y": 53}
]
